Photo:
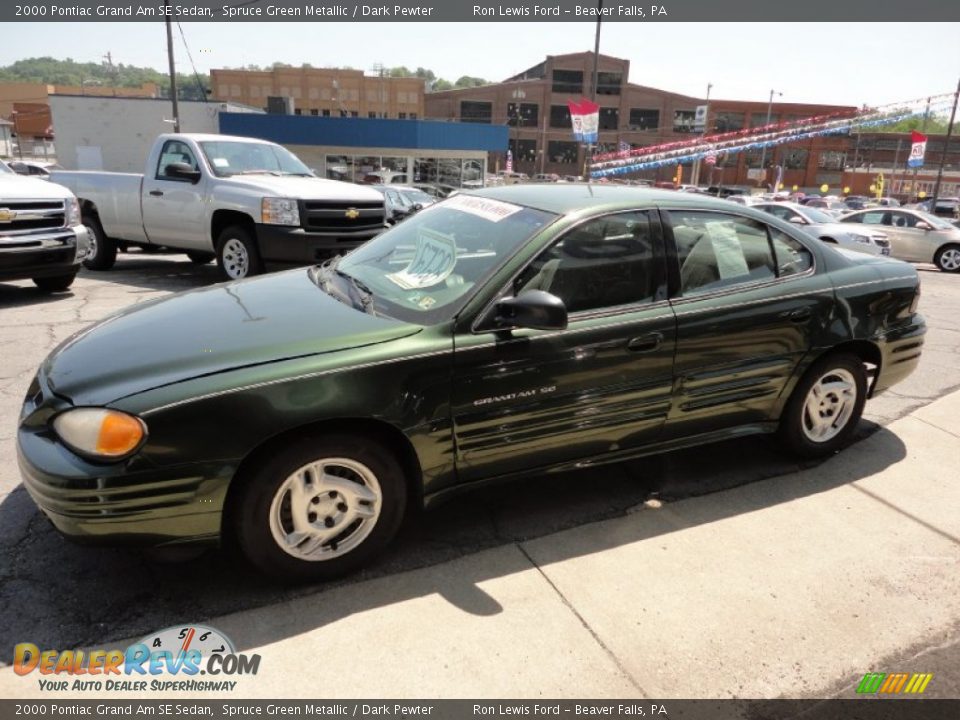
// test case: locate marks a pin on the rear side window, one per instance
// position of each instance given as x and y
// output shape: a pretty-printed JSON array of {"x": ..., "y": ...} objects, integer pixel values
[{"x": 792, "y": 257}]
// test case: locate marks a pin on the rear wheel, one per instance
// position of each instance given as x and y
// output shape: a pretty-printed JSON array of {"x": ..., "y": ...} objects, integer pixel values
[
  {"x": 57, "y": 283},
  {"x": 948, "y": 258},
  {"x": 101, "y": 251},
  {"x": 319, "y": 508},
  {"x": 237, "y": 254},
  {"x": 825, "y": 406}
]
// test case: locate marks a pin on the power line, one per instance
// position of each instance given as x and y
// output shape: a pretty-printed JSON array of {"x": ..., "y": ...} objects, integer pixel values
[{"x": 203, "y": 91}]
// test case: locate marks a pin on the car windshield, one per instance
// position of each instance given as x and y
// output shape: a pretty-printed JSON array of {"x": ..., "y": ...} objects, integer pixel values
[
  {"x": 228, "y": 158},
  {"x": 4, "y": 168},
  {"x": 417, "y": 196},
  {"x": 937, "y": 223},
  {"x": 818, "y": 216},
  {"x": 426, "y": 268}
]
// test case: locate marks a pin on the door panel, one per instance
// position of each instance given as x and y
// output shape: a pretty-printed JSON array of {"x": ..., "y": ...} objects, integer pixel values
[
  {"x": 537, "y": 398},
  {"x": 174, "y": 210}
]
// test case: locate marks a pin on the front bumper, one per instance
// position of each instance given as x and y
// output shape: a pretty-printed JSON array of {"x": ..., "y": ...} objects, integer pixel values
[
  {"x": 282, "y": 244},
  {"x": 46, "y": 255}
]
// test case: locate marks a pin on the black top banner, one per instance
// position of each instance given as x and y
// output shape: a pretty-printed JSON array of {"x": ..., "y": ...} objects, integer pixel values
[{"x": 484, "y": 11}]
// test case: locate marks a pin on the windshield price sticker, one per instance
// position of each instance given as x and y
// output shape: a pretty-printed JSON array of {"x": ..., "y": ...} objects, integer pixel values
[
  {"x": 221, "y": 162},
  {"x": 492, "y": 210},
  {"x": 433, "y": 261}
]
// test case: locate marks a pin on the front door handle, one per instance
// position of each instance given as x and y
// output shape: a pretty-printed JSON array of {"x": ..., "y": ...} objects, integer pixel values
[
  {"x": 157, "y": 193},
  {"x": 799, "y": 316},
  {"x": 645, "y": 343}
]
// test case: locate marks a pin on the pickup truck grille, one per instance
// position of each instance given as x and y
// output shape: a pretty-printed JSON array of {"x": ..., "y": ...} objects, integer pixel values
[
  {"x": 25, "y": 216},
  {"x": 343, "y": 217}
]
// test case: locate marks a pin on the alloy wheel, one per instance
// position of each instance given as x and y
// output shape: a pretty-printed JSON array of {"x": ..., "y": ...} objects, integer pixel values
[{"x": 829, "y": 405}]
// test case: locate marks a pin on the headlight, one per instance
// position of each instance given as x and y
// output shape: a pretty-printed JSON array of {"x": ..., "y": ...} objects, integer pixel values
[
  {"x": 72, "y": 212},
  {"x": 863, "y": 239},
  {"x": 100, "y": 433},
  {"x": 279, "y": 211}
]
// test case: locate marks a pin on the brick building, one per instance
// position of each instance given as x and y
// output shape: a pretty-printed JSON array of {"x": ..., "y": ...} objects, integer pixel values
[{"x": 323, "y": 92}]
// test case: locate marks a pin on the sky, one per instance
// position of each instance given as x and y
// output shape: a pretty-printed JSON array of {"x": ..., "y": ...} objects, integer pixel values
[{"x": 830, "y": 63}]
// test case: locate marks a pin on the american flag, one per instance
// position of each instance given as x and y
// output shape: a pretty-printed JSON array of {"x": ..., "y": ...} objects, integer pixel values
[
  {"x": 509, "y": 161},
  {"x": 711, "y": 157},
  {"x": 623, "y": 148}
]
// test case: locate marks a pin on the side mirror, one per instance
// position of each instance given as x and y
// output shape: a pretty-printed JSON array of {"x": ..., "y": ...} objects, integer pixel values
[
  {"x": 417, "y": 207},
  {"x": 923, "y": 226},
  {"x": 534, "y": 309},
  {"x": 797, "y": 220},
  {"x": 182, "y": 171}
]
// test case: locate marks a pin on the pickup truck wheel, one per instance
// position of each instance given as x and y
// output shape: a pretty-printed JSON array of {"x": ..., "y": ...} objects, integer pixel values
[
  {"x": 57, "y": 283},
  {"x": 825, "y": 406},
  {"x": 237, "y": 254},
  {"x": 319, "y": 507},
  {"x": 102, "y": 251},
  {"x": 200, "y": 258}
]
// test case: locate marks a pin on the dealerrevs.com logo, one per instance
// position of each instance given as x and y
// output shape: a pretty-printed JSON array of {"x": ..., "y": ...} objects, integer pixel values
[{"x": 167, "y": 661}]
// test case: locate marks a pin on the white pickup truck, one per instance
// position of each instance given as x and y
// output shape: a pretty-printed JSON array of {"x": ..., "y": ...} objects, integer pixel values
[
  {"x": 41, "y": 237},
  {"x": 243, "y": 201}
]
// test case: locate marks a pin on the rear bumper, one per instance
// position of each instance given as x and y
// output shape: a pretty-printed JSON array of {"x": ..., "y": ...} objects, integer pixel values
[
  {"x": 296, "y": 245},
  {"x": 900, "y": 349},
  {"x": 47, "y": 255}
]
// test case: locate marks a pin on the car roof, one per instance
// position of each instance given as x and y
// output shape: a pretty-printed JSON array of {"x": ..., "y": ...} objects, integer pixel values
[{"x": 575, "y": 197}]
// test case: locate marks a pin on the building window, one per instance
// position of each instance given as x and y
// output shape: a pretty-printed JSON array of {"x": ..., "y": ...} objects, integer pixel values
[
  {"x": 326, "y": 113},
  {"x": 402, "y": 116},
  {"x": 683, "y": 120},
  {"x": 298, "y": 111},
  {"x": 608, "y": 83},
  {"x": 314, "y": 111},
  {"x": 794, "y": 158},
  {"x": 760, "y": 119},
  {"x": 524, "y": 150},
  {"x": 568, "y": 81},
  {"x": 343, "y": 113},
  {"x": 560, "y": 116},
  {"x": 728, "y": 121},
  {"x": 371, "y": 114},
  {"x": 524, "y": 115},
  {"x": 413, "y": 116},
  {"x": 354, "y": 113},
  {"x": 476, "y": 111},
  {"x": 752, "y": 158},
  {"x": 832, "y": 160},
  {"x": 562, "y": 151},
  {"x": 609, "y": 118},
  {"x": 644, "y": 119}
]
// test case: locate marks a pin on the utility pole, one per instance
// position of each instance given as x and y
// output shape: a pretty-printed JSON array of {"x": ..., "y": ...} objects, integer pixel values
[
  {"x": 893, "y": 171},
  {"x": 173, "y": 70},
  {"x": 763, "y": 150},
  {"x": 695, "y": 175},
  {"x": 943, "y": 153},
  {"x": 593, "y": 83}
]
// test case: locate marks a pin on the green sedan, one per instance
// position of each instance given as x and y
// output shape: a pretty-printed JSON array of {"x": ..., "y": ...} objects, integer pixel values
[{"x": 502, "y": 333}]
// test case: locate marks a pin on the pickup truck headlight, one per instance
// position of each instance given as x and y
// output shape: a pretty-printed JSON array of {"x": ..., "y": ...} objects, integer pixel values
[
  {"x": 71, "y": 209},
  {"x": 279, "y": 211},
  {"x": 100, "y": 433}
]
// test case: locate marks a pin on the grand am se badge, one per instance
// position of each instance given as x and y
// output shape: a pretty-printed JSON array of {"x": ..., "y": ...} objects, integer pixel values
[{"x": 519, "y": 395}]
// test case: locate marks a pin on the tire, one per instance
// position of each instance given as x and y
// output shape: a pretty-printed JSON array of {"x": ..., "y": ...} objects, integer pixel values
[
  {"x": 331, "y": 537},
  {"x": 103, "y": 251},
  {"x": 200, "y": 258},
  {"x": 237, "y": 254},
  {"x": 57, "y": 283},
  {"x": 947, "y": 258},
  {"x": 806, "y": 428}
]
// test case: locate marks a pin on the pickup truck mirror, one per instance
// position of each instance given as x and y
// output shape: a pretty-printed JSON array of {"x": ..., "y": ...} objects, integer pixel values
[
  {"x": 182, "y": 171},
  {"x": 533, "y": 309},
  {"x": 923, "y": 226}
]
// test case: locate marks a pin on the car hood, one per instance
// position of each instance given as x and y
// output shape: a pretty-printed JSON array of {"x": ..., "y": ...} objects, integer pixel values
[
  {"x": 310, "y": 188},
  {"x": 210, "y": 330},
  {"x": 21, "y": 187}
]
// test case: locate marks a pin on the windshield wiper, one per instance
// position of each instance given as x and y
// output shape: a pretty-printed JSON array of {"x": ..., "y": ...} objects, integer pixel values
[
  {"x": 360, "y": 297},
  {"x": 363, "y": 293}
]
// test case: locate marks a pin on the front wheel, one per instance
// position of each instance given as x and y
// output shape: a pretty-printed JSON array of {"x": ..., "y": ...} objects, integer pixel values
[
  {"x": 57, "y": 283},
  {"x": 825, "y": 406},
  {"x": 319, "y": 508},
  {"x": 948, "y": 258},
  {"x": 237, "y": 254}
]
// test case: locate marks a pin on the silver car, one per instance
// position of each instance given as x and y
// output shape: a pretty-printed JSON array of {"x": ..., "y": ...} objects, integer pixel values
[
  {"x": 821, "y": 225},
  {"x": 915, "y": 236}
]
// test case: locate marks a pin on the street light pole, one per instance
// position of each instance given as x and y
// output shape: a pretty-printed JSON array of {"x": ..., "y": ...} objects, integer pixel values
[
  {"x": 518, "y": 95},
  {"x": 695, "y": 175},
  {"x": 763, "y": 151},
  {"x": 943, "y": 154},
  {"x": 173, "y": 71}
]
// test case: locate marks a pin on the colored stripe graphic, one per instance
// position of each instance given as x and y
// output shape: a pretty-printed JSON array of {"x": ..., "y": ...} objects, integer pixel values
[
  {"x": 918, "y": 683},
  {"x": 871, "y": 683},
  {"x": 894, "y": 683}
]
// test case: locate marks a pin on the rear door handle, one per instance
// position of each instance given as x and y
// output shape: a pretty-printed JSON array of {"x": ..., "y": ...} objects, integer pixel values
[
  {"x": 799, "y": 316},
  {"x": 157, "y": 193},
  {"x": 645, "y": 343}
]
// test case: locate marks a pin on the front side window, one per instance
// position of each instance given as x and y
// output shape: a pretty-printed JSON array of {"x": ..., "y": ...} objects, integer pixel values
[
  {"x": 603, "y": 263},
  {"x": 716, "y": 251},
  {"x": 174, "y": 151},
  {"x": 424, "y": 269}
]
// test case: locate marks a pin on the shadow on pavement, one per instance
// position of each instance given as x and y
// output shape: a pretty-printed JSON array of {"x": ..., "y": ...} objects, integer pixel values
[{"x": 60, "y": 595}]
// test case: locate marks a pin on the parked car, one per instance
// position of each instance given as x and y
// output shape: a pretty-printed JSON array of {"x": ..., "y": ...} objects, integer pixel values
[
  {"x": 35, "y": 168},
  {"x": 831, "y": 206},
  {"x": 417, "y": 197},
  {"x": 828, "y": 229},
  {"x": 505, "y": 332},
  {"x": 397, "y": 206},
  {"x": 914, "y": 235},
  {"x": 885, "y": 202},
  {"x": 546, "y": 177},
  {"x": 948, "y": 207},
  {"x": 244, "y": 202},
  {"x": 856, "y": 202},
  {"x": 41, "y": 237}
]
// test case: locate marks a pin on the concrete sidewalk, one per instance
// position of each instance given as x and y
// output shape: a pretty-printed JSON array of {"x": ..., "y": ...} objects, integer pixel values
[{"x": 792, "y": 587}]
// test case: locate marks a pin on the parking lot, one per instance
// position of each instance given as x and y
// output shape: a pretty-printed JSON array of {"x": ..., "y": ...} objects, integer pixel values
[{"x": 59, "y": 595}]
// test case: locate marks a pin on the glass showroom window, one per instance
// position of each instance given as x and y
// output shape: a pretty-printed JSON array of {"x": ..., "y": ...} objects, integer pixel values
[
  {"x": 340, "y": 167},
  {"x": 683, "y": 120},
  {"x": 560, "y": 116},
  {"x": 644, "y": 119},
  {"x": 476, "y": 111},
  {"x": 524, "y": 151},
  {"x": 609, "y": 118},
  {"x": 425, "y": 170},
  {"x": 560, "y": 151}
]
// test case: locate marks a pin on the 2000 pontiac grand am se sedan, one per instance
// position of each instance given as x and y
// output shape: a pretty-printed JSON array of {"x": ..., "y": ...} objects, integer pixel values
[{"x": 499, "y": 333}]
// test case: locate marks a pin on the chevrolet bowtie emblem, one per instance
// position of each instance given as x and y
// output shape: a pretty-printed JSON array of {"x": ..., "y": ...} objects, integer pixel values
[
  {"x": 7, "y": 215},
  {"x": 352, "y": 213}
]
